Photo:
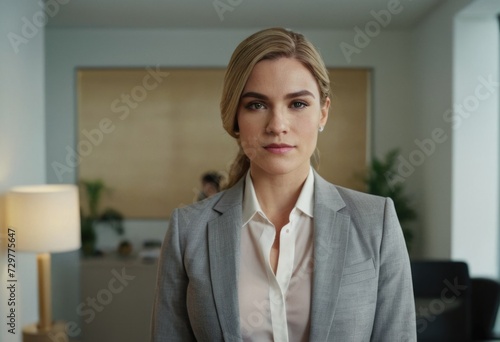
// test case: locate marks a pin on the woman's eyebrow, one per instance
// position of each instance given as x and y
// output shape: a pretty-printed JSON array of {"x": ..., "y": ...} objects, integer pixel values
[
  {"x": 299, "y": 94},
  {"x": 288, "y": 96},
  {"x": 255, "y": 95}
]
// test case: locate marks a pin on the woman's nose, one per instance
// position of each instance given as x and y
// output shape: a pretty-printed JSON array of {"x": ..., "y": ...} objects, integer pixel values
[{"x": 278, "y": 122}]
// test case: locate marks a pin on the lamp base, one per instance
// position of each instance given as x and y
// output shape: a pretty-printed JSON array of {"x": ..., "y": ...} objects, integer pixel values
[{"x": 57, "y": 333}]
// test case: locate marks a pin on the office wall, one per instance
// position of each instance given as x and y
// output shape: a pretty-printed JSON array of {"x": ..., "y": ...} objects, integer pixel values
[
  {"x": 432, "y": 77},
  {"x": 22, "y": 144},
  {"x": 388, "y": 54},
  {"x": 476, "y": 144},
  {"x": 456, "y": 50}
]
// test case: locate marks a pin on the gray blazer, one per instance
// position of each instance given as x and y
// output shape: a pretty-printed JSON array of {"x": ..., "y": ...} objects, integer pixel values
[{"x": 362, "y": 287}]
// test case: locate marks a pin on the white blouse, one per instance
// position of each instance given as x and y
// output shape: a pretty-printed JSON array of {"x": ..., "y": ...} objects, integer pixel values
[{"x": 276, "y": 307}]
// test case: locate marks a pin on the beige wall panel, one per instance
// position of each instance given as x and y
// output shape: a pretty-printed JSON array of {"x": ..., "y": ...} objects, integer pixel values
[
  {"x": 150, "y": 139},
  {"x": 344, "y": 144}
]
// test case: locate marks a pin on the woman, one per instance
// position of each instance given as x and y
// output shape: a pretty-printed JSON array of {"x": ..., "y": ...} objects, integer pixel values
[{"x": 282, "y": 255}]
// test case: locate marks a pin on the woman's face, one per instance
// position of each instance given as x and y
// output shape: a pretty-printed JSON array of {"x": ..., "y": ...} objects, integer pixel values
[{"x": 279, "y": 115}]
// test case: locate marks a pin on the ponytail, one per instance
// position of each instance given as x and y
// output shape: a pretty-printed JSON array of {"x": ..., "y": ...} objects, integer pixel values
[{"x": 238, "y": 169}]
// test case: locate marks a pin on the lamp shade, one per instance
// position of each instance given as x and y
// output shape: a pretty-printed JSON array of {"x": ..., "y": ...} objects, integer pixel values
[{"x": 46, "y": 218}]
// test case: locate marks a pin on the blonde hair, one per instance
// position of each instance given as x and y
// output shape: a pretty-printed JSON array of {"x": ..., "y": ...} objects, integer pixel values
[{"x": 272, "y": 43}]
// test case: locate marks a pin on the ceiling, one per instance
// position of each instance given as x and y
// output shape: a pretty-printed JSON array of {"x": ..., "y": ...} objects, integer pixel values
[{"x": 235, "y": 14}]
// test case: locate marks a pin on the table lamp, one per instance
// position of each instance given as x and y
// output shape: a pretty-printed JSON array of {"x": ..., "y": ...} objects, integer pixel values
[{"x": 46, "y": 219}]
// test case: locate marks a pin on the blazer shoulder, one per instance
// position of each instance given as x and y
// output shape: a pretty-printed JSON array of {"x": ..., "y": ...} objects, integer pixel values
[
  {"x": 202, "y": 205},
  {"x": 346, "y": 200},
  {"x": 199, "y": 213},
  {"x": 362, "y": 202},
  {"x": 369, "y": 213},
  {"x": 202, "y": 209},
  {"x": 357, "y": 203}
]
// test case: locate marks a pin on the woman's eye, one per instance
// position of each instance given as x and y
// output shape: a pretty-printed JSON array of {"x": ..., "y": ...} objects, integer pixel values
[
  {"x": 299, "y": 104},
  {"x": 255, "y": 106}
]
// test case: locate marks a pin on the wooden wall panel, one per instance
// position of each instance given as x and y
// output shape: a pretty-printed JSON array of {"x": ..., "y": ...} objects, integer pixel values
[
  {"x": 344, "y": 144},
  {"x": 150, "y": 139}
]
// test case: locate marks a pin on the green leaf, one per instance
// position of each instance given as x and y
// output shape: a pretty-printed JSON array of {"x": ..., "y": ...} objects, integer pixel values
[
  {"x": 94, "y": 190},
  {"x": 378, "y": 174}
]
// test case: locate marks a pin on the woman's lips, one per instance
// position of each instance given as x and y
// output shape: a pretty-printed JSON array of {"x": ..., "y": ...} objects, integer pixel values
[{"x": 278, "y": 148}]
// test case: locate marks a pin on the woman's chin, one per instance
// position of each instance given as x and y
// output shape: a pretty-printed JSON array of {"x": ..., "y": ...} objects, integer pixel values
[{"x": 279, "y": 169}]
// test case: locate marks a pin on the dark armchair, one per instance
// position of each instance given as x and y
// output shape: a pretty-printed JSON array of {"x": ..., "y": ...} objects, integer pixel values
[
  {"x": 443, "y": 301},
  {"x": 485, "y": 306}
]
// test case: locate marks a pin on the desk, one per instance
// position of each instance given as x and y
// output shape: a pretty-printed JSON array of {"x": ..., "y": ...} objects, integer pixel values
[{"x": 117, "y": 299}]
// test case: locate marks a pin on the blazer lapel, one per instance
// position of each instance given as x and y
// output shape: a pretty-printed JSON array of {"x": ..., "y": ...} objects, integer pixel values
[
  {"x": 331, "y": 232},
  {"x": 224, "y": 236}
]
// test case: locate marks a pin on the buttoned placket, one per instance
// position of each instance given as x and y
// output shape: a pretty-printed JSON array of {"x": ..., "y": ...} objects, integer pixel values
[{"x": 281, "y": 280}]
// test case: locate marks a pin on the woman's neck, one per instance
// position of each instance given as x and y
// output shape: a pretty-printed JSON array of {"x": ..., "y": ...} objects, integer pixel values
[{"x": 278, "y": 194}]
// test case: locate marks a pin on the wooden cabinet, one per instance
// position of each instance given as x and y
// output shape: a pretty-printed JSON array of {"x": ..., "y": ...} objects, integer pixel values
[{"x": 116, "y": 299}]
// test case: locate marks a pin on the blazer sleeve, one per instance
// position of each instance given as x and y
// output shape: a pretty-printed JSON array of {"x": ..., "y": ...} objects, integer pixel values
[
  {"x": 170, "y": 320},
  {"x": 395, "y": 310}
]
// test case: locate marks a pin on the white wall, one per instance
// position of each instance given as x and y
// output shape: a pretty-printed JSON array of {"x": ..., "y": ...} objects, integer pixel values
[
  {"x": 22, "y": 144},
  {"x": 476, "y": 144},
  {"x": 432, "y": 75},
  {"x": 454, "y": 46}
]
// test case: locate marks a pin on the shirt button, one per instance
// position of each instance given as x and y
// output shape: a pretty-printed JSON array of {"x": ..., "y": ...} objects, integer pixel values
[{"x": 288, "y": 230}]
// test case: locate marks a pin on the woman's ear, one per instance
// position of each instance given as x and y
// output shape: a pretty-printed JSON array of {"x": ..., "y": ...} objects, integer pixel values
[{"x": 324, "y": 112}]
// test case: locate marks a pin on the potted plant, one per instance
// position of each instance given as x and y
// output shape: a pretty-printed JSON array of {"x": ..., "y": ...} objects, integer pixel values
[
  {"x": 377, "y": 181},
  {"x": 93, "y": 190}
]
